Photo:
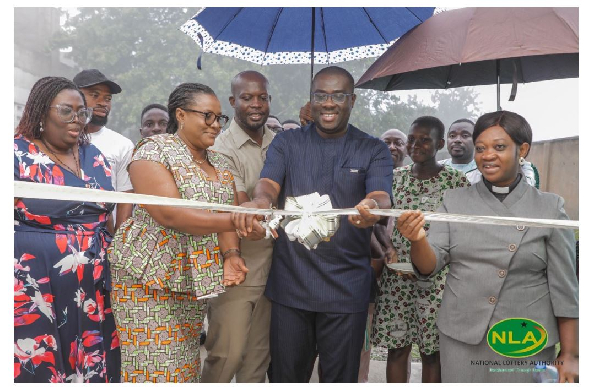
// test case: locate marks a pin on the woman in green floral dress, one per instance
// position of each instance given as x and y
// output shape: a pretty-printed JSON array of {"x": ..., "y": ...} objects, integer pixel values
[
  {"x": 164, "y": 260},
  {"x": 406, "y": 309}
]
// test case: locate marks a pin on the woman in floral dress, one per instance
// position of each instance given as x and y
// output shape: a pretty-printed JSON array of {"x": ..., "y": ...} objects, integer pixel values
[
  {"x": 64, "y": 330},
  {"x": 165, "y": 259},
  {"x": 406, "y": 309}
]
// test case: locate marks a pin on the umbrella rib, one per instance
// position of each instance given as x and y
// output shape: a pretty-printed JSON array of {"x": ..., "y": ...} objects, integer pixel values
[
  {"x": 414, "y": 14},
  {"x": 374, "y": 26},
  {"x": 227, "y": 24},
  {"x": 273, "y": 30},
  {"x": 324, "y": 35}
]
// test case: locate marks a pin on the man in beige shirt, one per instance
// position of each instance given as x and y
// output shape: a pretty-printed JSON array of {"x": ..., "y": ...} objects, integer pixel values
[{"x": 237, "y": 340}]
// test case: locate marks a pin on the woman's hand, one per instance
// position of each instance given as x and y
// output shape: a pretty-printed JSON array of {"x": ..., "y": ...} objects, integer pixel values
[
  {"x": 391, "y": 255},
  {"x": 234, "y": 269},
  {"x": 568, "y": 368},
  {"x": 410, "y": 224}
]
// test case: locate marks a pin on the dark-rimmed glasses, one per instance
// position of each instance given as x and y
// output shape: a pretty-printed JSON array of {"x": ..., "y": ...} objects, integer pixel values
[
  {"x": 337, "y": 98},
  {"x": 210, "y": 117},
  {"x": 67, "y": 114}
]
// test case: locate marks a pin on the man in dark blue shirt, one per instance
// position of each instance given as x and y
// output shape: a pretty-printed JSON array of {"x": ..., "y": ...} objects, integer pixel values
[{"x": 320, "y": 297}]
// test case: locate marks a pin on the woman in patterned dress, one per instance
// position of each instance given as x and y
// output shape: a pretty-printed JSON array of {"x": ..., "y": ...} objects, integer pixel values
[
  {"x": 165, "y": 259},
  {"x": 406, "y": 309},
  {"x": 64, "y": 330}
]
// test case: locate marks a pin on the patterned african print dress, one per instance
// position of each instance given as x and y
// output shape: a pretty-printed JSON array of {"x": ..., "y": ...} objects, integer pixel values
[
  {"x": 64, "y": 330},
  {"x": 159, "y": 273},
  {"x": 406, "y": 311}
]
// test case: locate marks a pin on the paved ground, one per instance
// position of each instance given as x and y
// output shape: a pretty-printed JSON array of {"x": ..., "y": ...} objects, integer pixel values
[{"x": 376, "y": 370}]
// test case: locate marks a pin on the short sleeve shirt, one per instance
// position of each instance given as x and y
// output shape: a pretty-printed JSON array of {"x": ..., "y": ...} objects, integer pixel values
[
  {"x": 246, "y": 159},
  {"x": 334, "y": 277}
]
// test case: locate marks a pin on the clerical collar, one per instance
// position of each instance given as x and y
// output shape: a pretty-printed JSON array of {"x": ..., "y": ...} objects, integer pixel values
[{"x": 502, "y": 192}]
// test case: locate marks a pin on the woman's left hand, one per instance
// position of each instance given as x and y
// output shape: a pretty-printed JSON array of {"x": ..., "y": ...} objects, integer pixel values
[
  {"x": 568, "y": 368},
  {"x": 234, "y": 270}
]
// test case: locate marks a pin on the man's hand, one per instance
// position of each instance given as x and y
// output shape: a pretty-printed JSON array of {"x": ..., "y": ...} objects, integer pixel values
[
  {"x": 364, "y": 219},
  {"x": 234, "y": 269},
  {"x": 258, "y": 232}
]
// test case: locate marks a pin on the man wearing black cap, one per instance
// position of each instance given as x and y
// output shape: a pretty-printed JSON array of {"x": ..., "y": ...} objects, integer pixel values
[{"x": 98, "y": 91}]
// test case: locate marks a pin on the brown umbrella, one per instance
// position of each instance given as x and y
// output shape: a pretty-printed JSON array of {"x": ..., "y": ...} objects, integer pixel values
[{"x": 481, "y": 46}]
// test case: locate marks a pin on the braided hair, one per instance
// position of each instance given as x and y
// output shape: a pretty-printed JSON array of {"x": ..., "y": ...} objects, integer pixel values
[
  {"x": 182, "y": 97},
  {"x": 36, "y": 108}
]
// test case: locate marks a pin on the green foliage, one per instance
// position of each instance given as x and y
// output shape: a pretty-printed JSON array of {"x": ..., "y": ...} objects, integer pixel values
[{"x": 144, "y": 51}]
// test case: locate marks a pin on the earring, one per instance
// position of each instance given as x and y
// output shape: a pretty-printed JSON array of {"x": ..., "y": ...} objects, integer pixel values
[
  {"x": 521, "y": 160},
  {"x": 181, "y": 125},
  {"x": 41, "y": 127}
]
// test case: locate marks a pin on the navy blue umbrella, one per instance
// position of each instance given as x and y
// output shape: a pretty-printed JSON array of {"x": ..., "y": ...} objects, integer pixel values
[{"x": 265, "y": 35}]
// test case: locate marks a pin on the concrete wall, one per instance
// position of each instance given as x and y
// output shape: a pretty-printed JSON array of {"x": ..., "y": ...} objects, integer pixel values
[{"x": 557, "y": 162}]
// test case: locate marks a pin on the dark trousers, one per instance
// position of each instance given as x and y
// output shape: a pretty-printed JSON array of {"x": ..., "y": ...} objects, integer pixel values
[{"x": 298, "y": 335}]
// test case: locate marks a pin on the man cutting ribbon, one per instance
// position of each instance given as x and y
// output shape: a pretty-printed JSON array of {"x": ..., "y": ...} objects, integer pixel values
[{"x": 320, "y": 297}]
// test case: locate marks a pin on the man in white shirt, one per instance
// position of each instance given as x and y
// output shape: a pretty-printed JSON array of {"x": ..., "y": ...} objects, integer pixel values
[
  {"x": 460, "y": 145},
  {"x": 98, "y": 91}
]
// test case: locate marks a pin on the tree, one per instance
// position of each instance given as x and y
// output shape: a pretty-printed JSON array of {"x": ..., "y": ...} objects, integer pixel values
[{"x": 145, "y": 52}]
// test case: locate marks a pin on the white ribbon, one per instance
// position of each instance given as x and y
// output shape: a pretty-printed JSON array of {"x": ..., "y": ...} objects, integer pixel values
[{"x": 58, "y": 192}]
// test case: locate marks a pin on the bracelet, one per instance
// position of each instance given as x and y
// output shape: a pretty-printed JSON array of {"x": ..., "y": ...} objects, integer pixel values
[
  {"x": 376, "y": 204},
  {"x": 230, "y": 251}
]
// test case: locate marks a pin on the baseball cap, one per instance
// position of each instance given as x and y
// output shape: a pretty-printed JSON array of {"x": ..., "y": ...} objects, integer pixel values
[{"x": 91, "y": 77}]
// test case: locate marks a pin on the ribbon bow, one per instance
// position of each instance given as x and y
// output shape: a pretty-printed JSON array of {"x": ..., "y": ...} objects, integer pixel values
[{"x": 310, "y": 229}]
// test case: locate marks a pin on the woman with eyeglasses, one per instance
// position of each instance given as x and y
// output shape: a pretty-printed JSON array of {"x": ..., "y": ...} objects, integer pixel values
[
  {"x": 165, "y": 261},
  {"x": 64, "y": 330}
]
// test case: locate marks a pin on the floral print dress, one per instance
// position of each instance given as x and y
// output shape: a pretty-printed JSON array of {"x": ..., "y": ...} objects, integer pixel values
[
  {"x": 159, "y": 273},
  {"x": 64, "y": 330},
  {"x": 406, "y": 311}
]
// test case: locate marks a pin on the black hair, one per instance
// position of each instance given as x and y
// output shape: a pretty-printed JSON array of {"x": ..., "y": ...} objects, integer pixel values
[
  {"x": 290, "y": 122},
  {"x": 153, "y": 106},
  {"x": 465, "y": 120},
  {"x": 272, "y": 116},
  {"x": 38, "y": 104},
  {"x": 517, "y": 127},
  {"x": 334, "y": 69},
  {"x": 182, "y": 97},
  {"x": 236, "y": 79},
  {"x": 431, "y": 122}
]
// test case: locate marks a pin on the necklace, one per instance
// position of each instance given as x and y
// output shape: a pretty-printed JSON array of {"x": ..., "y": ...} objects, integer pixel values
[
  {"x": 201, "y": 162},
  {"x": 61, "y": 162}
]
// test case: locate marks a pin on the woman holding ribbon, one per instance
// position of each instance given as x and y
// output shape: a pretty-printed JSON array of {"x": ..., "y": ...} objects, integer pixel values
[
  {"x": 500, "y": 272},
  {"x": 64, "y": 330},
  {"x": 406, "y": 309},
  {"x": 166, "y": 260}
]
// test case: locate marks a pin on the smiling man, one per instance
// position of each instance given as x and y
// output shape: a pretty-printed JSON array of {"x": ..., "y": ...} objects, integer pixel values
[
  {"x": 319, "y": 298},
  {"x": 98, "y": 91},
  {"x": 396, "y": 143},
  {"x": 237, "y": 340}
]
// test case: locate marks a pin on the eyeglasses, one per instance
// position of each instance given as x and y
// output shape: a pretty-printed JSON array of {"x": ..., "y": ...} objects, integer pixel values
[
  {"x": 67, "y": 114},
  {"x": 210, "y": 117},
  {"x": 337, "y": 98}
]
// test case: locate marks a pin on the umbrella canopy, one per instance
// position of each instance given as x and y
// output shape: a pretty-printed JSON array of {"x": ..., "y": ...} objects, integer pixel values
[
  {"x": 267, "y": 36},
  {"x": 481, "y": 46}
]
